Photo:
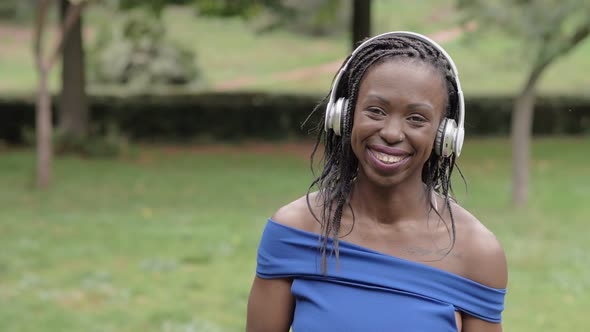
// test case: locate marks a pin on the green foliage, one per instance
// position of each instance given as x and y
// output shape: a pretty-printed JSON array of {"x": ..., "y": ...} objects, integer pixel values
[
  {"x": 319, "y": 17},
  {"x": 99, "y": 144},
  {"x": 130, "y": 4},
  {"x": 8, "y": 9},
  {"x": 155, "y": 6},
  {"x": 230, "y": 8},
  {"x": 16, "y": 10},
  {"x": 310, "y": 17},
  {"x": 110, "y": 144},
  {"x": 134, "y": 51},
  {"x": 545, "y": 28}
]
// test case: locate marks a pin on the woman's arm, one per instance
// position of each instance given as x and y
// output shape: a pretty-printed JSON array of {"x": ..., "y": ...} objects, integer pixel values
[
  {"x": 271, "y": 303},
  {"x": 473, "y": 324},
  {"x": 484, "y": 262},
  {"x": 270, "y": 306}
]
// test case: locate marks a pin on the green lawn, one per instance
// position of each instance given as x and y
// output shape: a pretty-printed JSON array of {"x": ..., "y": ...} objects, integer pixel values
[
  {"x": 166, "y": 240},
  {"x": 229, "y": 50}
]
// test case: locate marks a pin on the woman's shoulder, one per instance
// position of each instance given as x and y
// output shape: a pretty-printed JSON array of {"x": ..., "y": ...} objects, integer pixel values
[
  {"x": 482, "y": 254},
  {"x": 300, "y": 213}
]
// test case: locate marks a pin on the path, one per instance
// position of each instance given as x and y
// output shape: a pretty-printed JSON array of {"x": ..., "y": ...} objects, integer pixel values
[{"x": 311, "y": 72}]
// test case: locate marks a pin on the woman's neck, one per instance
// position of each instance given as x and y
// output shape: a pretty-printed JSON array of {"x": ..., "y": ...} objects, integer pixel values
[{"x": 406, "y": 201}]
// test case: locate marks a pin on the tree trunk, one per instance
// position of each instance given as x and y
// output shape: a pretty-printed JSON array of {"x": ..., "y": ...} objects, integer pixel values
[
  {"x": 43, "y": 107},
  {"x": 73, "y": 107},
  {"x": 361, "y": 21},
  {"x": 44, "y": 127},
  {"x": 522, "y": 127}
]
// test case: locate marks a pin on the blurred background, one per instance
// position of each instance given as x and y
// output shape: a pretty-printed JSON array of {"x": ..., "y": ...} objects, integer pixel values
[{"x": 143, "y": 145}]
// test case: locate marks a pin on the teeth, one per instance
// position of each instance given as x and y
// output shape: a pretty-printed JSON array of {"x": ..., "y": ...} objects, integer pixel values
[{"x": 386, "y": 158}]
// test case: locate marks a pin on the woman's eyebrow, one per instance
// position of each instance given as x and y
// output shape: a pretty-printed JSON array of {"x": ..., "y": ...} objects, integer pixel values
[
  {"x": 421, "y": 105},
  {"x": 412, "y": 106},
  {"x": 379, "y": 98}
]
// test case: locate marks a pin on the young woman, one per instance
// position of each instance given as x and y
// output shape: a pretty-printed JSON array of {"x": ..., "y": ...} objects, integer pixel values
[{"x": 381, "y": 245}]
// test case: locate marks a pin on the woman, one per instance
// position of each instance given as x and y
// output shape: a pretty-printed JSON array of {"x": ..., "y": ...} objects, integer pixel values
[{"x": 396, "y": 252}]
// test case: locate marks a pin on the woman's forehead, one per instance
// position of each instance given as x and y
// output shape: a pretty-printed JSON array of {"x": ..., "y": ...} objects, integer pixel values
[{"x": 411, "y": 74}]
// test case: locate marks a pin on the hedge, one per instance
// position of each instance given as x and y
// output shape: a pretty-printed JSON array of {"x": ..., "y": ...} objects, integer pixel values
[{"x": 234, "y": 116}]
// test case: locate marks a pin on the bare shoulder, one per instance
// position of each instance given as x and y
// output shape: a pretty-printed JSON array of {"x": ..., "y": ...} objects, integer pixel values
[
  {"x": 298, "y": 214},
  {"x": 484, "y": 260}
]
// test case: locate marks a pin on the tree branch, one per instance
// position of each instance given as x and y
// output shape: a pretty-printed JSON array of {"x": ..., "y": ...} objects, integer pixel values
[
  {"x": 579, "y": 35},
  {"x": 41, "y": 14},
  {"x": 546, "y": 57},
  {"x": 72, "y": 15}
]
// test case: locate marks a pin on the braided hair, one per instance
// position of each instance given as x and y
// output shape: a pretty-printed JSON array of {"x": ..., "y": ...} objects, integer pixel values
[{"x": 339, "y": 163}]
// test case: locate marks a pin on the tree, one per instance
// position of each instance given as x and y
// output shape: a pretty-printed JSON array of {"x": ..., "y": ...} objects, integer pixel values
[
  {"x": 44, "y": 64},
  {"x": 361, "y": 21},
  {"x": 73, "y": 103},
  {"x": 546, "y": 30},
  {"x": 317, "y": 15},
  {"x": 73, "y": 114},
  {"x": 73, "y": 106}
]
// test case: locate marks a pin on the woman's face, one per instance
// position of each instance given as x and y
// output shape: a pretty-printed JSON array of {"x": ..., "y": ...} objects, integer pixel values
[{"x": 399, "y": 106}]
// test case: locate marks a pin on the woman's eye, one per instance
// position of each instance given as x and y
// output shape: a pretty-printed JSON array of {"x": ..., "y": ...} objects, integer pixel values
[
  {"x": 375, "y": 111},
  {"x": 417, "y": 118}
]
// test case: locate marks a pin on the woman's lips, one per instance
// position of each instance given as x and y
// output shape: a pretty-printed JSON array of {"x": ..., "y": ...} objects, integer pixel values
[
  {"x": 388, "y": 150},
  {"x": 387, "y": 162}
]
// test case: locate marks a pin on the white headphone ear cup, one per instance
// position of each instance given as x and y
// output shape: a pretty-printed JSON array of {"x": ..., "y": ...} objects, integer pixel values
[
  {"x": 450, "y": 137},
  {"x": 459, "y": 141},
  {"x": 440, "y": 133},
  {"x": 344, "y": 116},
  {"x": 448, "y": 147},
  {"x": 338, "y": 115},
  {"x": 328, "y": 117},
  {"x": 444, "y": 144}
]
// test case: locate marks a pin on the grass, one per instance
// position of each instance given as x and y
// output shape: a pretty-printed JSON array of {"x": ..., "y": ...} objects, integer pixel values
[
  {"x": 166, "y": 240},
  {"x": 229, "y": 49}
]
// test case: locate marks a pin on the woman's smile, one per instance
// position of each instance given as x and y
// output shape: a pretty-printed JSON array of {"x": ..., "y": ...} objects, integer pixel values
[{"x": 387, "y": 159}]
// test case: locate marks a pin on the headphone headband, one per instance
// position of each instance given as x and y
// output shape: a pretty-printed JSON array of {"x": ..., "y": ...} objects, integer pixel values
[{"x": 461, "y": 102}]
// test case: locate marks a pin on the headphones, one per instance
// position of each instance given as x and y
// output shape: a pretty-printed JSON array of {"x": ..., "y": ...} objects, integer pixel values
[{"x": 450, "y": 134}]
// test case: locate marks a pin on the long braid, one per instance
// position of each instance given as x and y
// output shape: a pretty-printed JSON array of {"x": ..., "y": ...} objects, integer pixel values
[{"x": 340, "y": 165}]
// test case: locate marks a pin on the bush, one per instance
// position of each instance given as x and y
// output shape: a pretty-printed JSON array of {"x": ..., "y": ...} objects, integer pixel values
[
  {"x": 310, "y": 17},
  {"x": 134, "y": 52},
  {"x": 109, "y": 144},
  {"x": 16, "y": 10},
  {"x": 235, "y": 116},
  {"x": 319, "y": 17}
]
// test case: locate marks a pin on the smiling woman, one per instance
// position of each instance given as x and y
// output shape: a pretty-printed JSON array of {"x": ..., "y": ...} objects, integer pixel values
[{"x": 397, "y": 252}]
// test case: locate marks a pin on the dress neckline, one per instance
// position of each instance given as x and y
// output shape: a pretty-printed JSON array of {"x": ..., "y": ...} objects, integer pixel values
[{"x": 392, "y": 257}]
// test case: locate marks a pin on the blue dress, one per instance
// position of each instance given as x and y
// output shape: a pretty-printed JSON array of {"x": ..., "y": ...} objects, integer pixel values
[{"x": 370, "y": 291}]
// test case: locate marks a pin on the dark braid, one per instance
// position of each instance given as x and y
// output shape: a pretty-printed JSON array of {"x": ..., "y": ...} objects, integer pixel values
[{"x": 340, "y": 165}]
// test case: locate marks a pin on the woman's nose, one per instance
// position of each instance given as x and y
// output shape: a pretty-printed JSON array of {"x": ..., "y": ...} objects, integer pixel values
[{"x": 392, "y": 131}]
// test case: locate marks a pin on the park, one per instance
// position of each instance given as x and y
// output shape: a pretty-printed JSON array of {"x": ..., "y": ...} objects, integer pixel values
[{"x": 151, "y": 219}]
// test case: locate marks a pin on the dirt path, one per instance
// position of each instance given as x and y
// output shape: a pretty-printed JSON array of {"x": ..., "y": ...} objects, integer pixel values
[
  {"x": 24, "y": 35},
  {"x": 440, "y": 37},
  {"x": 11, "y": 35}
]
